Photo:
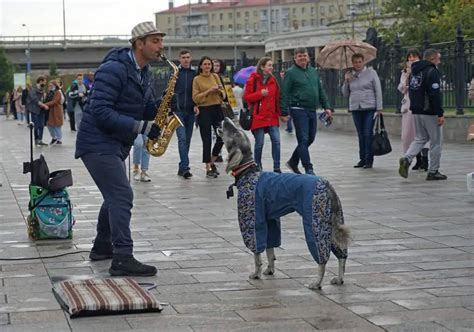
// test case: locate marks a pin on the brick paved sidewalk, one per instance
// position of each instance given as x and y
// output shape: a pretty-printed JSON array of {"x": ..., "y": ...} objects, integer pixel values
[{"x": 411, "y": 263}]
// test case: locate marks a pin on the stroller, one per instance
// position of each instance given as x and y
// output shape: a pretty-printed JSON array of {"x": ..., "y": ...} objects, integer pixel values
[{"x": 50, "y": 207}]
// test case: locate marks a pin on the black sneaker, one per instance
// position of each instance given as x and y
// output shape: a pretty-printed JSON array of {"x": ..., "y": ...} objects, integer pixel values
[
  {"x": 435, "y": 176},
  {"x": 368, "y": 165},
  {"x": 100, "y": 253},
  {"x": 277, "y": 170},
  {"x": 187, "y": 175},
  {"x": 219, "y": 159},
  {"x": 360, "y": 164},
  {"x": 215, "y": 170},
  {"x": 54, "y": 140},
  {"x": 40, "y": 142},
  {"x": 294, "y": 168},
  {"x": 210, "y": 174},
  {"x": 309, "y": 171},
  {"x": 127, "y": 265},
  {"x": 404, "y": 165}
]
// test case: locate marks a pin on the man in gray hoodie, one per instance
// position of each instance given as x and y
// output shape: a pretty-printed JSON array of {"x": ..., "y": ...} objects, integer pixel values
[{"x": 37, "y": 109}]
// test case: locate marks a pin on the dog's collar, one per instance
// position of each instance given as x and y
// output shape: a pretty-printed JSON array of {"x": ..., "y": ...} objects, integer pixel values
[{"x": 239, "y": 169}]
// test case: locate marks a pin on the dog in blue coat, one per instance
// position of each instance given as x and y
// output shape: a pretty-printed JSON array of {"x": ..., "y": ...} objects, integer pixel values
[{"x": 264, "y": 197}]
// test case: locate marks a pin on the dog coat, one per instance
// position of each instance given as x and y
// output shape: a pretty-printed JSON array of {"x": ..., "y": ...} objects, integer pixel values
[{"x": 264, "y": 197}]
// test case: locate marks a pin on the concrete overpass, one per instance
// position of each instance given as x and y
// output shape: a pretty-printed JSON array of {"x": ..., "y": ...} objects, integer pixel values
[{"x": 86, "y": 52}]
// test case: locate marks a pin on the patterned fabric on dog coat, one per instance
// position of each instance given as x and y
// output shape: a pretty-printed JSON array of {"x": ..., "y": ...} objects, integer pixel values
[{"x": 264, "y": 197}]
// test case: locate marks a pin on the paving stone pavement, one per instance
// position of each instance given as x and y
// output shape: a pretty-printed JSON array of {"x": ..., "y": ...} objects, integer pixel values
[{"x": 410, "y": 266}]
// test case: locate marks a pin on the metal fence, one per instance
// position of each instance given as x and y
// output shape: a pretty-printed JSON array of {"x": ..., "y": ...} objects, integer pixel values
[{"x": 457, "y": 70}]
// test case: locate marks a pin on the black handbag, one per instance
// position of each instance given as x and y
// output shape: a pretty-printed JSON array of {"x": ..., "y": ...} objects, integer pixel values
[
  {"x": 245, "y": 116},
  {"x": 226, "y": 109},
  {"x": 380, "y": 142}
]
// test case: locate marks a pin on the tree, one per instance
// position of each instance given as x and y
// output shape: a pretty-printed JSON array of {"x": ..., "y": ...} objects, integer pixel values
[
  {"x": 6, "y": 74},
  {"x": 53, "y": 69},
  {"x": 438, "y": 18}
]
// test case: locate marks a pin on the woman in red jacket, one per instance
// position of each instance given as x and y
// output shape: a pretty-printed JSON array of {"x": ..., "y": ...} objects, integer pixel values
[{"x": 262, "y": 94}]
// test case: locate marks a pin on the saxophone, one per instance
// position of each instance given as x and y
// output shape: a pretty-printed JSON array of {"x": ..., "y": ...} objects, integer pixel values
[{"x": 167, "y": 123}]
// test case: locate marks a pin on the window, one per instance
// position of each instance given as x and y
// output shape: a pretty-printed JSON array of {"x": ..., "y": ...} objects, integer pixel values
[
  {"x": 221, "y": 16},
  {"x": 246, "y": 14},
  {"x": 230, "y": 27},
  {"x": 178, "y": 32},
  {"x": 302, "y": 10},
  {"x": 213, "y": 16},
  {"x": 322, "y": 10},
  {"x": 313, "y": 22},
  {"x": 247, "y": 27},
  {"x": 331, "y": 9},
  {"x": 221, "y": 28},
  {"x": 294, "y": 11},
  {"x": 313, "y": 10},
  {"x": 170, "y": 32},
  {"x": 230, "y": 16},
  {"x": 238, "y": 14},
  {"x": 239, "y": 26},
  {"x": 255, "y": 13},
  {"x": 303, "y": 23},
  {"x": 213, "y": 28},
  {"x": 255, "y": 27},
  {"x": 169, "y": 19},
  {"x": 322, "y": 21}
]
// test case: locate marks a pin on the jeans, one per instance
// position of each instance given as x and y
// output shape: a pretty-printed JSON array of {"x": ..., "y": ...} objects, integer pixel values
[
  {"x": 38, "y": 120},
  {"x": 21, "y": 117},
  {"x": 55, "y": 132},
  {"x": 141, "y": 156},
  {"x": 110, "y": 175},
  {"x": 364, "y": 123},
  {"x": 184, "y": 134},
  {"x": 305, "y": 122},
  {"x": 289, "y": 123},
  {"x": 259, "y": 134}
]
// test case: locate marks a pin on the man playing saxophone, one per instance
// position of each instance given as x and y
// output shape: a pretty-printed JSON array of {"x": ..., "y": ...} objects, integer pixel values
[{"x": 121, "y": 106}]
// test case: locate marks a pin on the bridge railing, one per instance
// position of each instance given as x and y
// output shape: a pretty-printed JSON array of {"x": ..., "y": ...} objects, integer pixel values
[{"x": 19, "y": 41}]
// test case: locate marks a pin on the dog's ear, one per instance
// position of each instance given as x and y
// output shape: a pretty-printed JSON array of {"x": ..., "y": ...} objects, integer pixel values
[{"x": 234, "y": 159}]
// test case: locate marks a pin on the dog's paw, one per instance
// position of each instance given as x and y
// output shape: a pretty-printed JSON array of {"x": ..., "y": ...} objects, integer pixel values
[
  {"x": 255, "y": 275},
  {"x": 269, "y": 271},
  {"x": 337, "y": 281},
  {"x": 315, "y": 285}
]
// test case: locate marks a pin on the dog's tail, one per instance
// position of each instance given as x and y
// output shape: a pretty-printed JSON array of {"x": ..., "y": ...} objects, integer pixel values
[{"x": 340, "y": 232}]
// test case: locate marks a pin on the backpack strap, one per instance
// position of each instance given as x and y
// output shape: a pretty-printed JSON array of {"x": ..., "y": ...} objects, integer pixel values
[{"x": 255, "y": 90}]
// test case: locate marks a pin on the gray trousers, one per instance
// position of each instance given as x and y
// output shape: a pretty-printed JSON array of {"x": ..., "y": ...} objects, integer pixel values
[{"x": 427, "y": 129}]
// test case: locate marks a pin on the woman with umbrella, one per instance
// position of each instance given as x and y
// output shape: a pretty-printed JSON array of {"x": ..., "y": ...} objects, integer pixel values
[
  {"x": 263, "y": 96},
  {"x": 362, "y": 86}
]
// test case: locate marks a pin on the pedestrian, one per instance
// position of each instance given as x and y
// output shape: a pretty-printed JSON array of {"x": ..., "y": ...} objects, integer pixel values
[
  {"x": 362, "y": 86},
  {"x": 471, "y": 89},
  {"x": 301, "y": 94},
  {"x": 20, "y": 108},
  {"x": 24, "y": 101},
  {"x": 208, "y": 94},
  {"x": 238, "y": 94},
  {"x": 78, "y": 95},
  {"x": 425, "y": 98},
  {"x": 141, "y": 159},
  {"x": 218, "y": 66},
  {"x": 38, "y": 109},
  {"x": 262, "y": 94},
  {"x": 7, "y": 104},
  {"x": 408, "y": 122},
  {"x": 183, "y": 106},
  {"x": 55, "y": 113},
  {"x": 122, "y": 106}
]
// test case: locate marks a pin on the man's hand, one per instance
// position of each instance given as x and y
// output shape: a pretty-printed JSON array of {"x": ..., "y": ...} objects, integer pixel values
[
  {"x": 284, "y": 119},
  {"x": 440, "y": 120},
  {"x": 196, "y": 110},
  {"x": 348, "y": 76},
  {"x": 154, "y": 132},
  {"x": 329, "y": 112},
  {"x": 379, "y": 112}
]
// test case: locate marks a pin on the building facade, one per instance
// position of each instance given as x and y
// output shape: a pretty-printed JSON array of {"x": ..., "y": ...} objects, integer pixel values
[{"x": 241, "y": 18}]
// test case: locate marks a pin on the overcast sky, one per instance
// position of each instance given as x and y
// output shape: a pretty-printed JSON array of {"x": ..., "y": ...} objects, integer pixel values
[{"x": 83, "y": 17}]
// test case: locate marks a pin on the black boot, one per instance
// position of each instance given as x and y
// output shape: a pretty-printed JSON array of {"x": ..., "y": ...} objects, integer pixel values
[
  {"x": 418, "y": 162},
  {"x": 127, "y": 265},
  {"x": 424, "y": 159},
  {"x": 101, "y": 251}
]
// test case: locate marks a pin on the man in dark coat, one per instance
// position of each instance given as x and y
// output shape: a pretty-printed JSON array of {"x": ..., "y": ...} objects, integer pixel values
[
  {"x": 121, "y": 106},
  {"x": 425, "y": 103}
]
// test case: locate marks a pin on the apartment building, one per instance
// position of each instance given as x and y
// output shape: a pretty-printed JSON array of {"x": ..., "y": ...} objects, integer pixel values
[{"x": 256, "y": 17}]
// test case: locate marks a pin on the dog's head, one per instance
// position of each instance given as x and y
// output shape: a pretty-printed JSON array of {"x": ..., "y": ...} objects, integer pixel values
[{"x": 236, "y": 143}]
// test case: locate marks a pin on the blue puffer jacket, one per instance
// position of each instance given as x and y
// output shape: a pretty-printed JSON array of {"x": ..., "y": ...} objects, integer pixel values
[{"x": 116, "y": 101}]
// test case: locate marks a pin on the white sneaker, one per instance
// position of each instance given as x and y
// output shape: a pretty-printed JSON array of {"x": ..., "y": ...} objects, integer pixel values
[
  {"x": 144, "y": 177},
  {"x": 136, "y": 175}
]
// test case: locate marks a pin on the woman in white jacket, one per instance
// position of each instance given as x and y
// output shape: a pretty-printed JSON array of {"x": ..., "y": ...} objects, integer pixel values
[{"x": 408, "y": 122}]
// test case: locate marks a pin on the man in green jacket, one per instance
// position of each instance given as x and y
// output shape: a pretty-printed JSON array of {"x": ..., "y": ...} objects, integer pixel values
[{"x": 301, "y": 94}]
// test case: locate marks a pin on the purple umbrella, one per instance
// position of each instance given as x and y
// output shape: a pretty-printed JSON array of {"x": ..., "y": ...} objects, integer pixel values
[{"x": 243, "y": 74}]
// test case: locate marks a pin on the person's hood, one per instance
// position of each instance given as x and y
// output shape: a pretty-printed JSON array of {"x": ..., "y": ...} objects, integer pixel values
[{"x": 419, "y": 66}]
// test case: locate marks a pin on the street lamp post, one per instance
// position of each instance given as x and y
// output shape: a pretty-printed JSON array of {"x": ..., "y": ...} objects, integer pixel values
[
  {"x": 28, "y": 55},
  {"x": 235, "y": 41},
  {"x": 64, "y": 23}
]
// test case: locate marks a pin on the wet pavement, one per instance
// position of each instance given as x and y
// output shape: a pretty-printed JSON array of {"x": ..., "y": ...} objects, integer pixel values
[{"x": 410, "y": 266}]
